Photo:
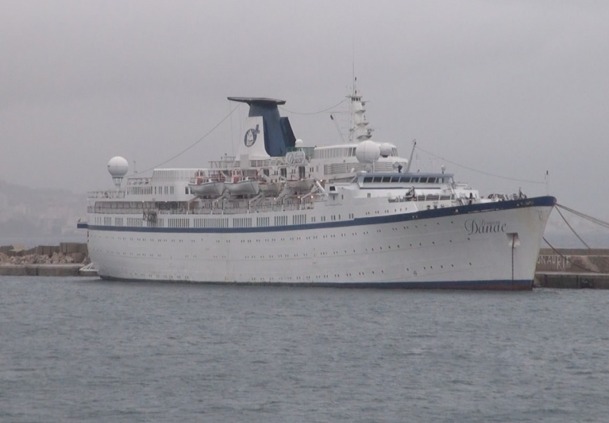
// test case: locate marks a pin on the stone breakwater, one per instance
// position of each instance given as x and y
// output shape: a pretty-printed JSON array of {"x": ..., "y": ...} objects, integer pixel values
[{"x": 64, "y": 259}]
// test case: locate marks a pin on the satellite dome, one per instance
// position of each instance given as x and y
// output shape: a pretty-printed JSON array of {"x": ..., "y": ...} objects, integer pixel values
[
  {"x": 298, "y": 143},
  {"x": 386, "y": 149},
  {"x": 367, "y": 151},
  {"x": 118, "y": 166}
]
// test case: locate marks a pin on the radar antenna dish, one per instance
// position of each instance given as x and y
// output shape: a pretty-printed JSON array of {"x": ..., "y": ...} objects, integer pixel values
[{"x": 118, "y": 167}]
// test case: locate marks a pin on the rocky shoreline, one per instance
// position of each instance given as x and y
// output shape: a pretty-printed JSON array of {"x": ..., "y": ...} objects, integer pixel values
[{"x": 65, "y": 259}]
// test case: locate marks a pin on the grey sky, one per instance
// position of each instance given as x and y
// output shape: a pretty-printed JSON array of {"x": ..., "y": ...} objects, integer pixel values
[{"x": 512, "y": 88}]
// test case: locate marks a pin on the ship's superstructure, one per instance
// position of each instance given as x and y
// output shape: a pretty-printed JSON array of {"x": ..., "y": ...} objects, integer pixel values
[{"x": 283, "y": 213}]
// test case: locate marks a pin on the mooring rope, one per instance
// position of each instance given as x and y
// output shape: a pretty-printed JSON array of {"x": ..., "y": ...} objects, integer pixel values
[
  {"x": 571, "y": 227},
  {"x": 567, "y": 259},
  {"x": 585, "y": 216},
  {"x": 494, "y": 175},
  {"x": 209, "y": 132}
]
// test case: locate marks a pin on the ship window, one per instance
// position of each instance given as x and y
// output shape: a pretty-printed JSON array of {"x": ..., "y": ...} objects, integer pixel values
[
  {"x": 395, "y": 179},
  {"x": 368, "y": 179},
  {"x": 386, "y": 178},
  {"x": 377, "y": 179},
  {"x": 423, "y": 180},
  {"x": 431, "y": 180}
]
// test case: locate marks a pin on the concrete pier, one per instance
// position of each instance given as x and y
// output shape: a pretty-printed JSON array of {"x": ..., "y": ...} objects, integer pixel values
[
  {"x": 65, "y": 259},
  {"x": 572, "y": 280},
  {"x": 572, "y": 268},
  {"x": 40, "y": 269}
]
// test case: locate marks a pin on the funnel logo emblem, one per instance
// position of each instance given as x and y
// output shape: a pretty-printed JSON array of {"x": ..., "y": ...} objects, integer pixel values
[{"x": 250, "y": 136}]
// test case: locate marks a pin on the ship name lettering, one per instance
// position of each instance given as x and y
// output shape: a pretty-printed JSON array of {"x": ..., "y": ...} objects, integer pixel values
[{"x": 480, "y": 226}]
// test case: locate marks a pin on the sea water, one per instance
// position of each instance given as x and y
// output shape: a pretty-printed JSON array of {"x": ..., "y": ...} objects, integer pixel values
[{"x": 81, "y": 349}]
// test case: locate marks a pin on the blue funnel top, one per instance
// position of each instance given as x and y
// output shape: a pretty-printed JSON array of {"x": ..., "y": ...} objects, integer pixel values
[{"x": 278, "y": 134}]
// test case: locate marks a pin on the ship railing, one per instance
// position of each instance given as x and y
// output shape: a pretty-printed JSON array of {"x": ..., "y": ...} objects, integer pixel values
[
  {"x": 106, "y": 194},
  {"x": 241, "y": 207},
  {"x": 138, "y": 181},
  {"x": 218, "y": 210},
  {"x": 226, "y": 162},
  {"x": 506, "y": 197},
  {"x": 426, "y": 197},
  {"x": 104, "y": 210}
]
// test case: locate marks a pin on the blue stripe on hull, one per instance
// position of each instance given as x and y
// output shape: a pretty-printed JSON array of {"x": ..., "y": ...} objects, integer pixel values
[
  {"x": 546, "y": 201},
  {"x": 495, "y": 285}
]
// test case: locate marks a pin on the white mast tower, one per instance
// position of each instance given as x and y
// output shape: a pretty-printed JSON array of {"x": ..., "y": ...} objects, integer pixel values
[{"x": 359, "y": 130}]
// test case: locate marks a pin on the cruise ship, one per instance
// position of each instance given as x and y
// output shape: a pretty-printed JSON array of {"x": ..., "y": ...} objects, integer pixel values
[{"x": 345, "y": 215}]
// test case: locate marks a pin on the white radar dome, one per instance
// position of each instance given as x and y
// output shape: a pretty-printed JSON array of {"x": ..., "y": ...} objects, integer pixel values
[
  {"x": 118, "y": 166},
  {"x": 298, "y": 143},
  {"x": 367, "y": 151},
  {"x": 386, "y": 149}
]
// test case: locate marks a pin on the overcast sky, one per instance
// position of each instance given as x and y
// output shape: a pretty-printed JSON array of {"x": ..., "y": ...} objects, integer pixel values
[{"x": 508, "y": 88}]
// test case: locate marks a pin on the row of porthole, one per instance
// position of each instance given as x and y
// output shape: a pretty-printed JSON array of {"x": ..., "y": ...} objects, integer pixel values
[
  {"x": 420, "y": 244},
  {"x": 309, "y": 278},
  {"x": 405, "y": 227},
  {"x": 431, "y": 267},
  {"x": 281, "y": 256},
  {"x": 321, "y": 254},
  {"x": 137, "y": 275}
]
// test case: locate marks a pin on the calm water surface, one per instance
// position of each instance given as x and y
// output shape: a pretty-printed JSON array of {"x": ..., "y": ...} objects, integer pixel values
[{"x": 74, "y": 350}]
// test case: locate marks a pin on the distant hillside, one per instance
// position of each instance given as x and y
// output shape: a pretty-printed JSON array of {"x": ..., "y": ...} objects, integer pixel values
[{"x": 38, "y": 216}]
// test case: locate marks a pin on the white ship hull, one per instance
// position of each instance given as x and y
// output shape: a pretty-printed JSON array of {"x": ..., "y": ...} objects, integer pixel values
[
  {"x": 347, "y": 215},
  {"x": 480, "y": 246}
]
